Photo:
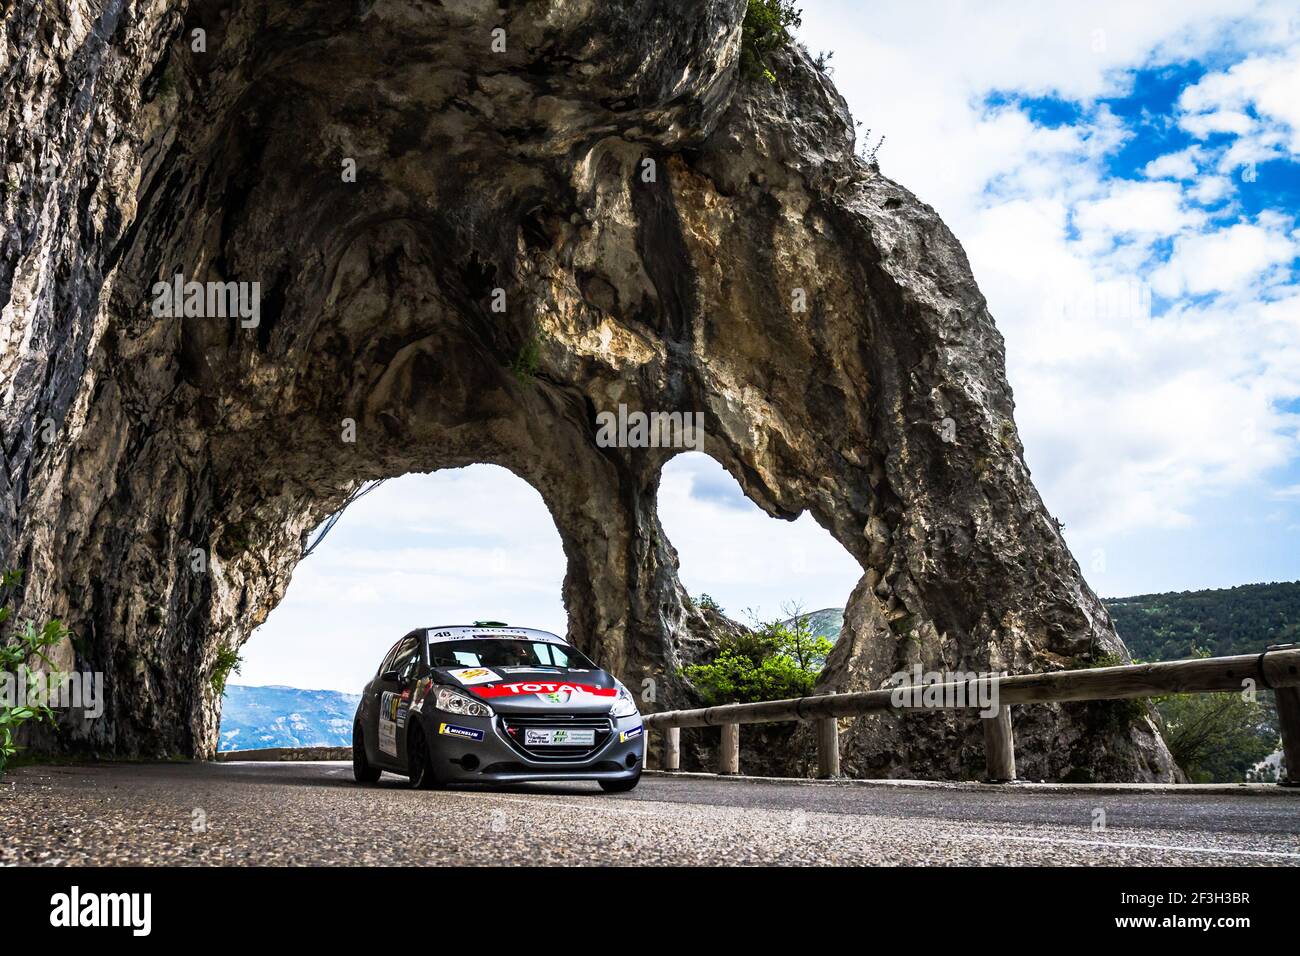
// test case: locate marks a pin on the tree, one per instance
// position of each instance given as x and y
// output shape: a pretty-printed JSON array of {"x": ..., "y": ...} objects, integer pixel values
[
  {"x": 1216, "y": 737},
  {"x": 771, "y": 660}
]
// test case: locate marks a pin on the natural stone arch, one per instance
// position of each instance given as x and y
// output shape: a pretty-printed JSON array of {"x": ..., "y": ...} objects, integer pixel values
[{"x": 882, "y": 408}]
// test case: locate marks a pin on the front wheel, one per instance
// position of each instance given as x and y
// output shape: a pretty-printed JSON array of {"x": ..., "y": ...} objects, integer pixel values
[
  {"x": 620, "y": 786},
  {"x": 419, "y": 762},
  {"x": 362, "y": 772}
]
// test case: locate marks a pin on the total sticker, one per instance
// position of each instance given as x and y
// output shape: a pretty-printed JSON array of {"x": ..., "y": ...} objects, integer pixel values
[
  {"x": 475, "y": 675},
  {"x": 557, "y": 689}
]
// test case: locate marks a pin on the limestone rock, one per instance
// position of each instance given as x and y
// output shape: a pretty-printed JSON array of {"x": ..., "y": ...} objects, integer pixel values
[{"x": 134, "y": 443}]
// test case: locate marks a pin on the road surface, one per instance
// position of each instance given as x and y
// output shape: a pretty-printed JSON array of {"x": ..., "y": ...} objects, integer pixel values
[{"x": 312, "y": 813}]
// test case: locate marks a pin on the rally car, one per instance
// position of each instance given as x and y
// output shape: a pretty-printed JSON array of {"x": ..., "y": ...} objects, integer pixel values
[{"x": 495, "y": 704}]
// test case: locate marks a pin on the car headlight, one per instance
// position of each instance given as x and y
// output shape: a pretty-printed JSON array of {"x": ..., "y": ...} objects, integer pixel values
[
  {"x": 454, "y": 702},
  {"x": 624, "y": 705}
]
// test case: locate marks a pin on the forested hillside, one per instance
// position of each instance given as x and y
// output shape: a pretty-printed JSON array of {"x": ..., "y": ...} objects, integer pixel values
[{"x": 1240, "y": 620}]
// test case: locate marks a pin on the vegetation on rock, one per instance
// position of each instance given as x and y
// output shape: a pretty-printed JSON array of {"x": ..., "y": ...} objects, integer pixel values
[
  {"x": 17, "y": 647},
  {"x": 227, "y": 662},
  {"x": 765, "y": 30}
]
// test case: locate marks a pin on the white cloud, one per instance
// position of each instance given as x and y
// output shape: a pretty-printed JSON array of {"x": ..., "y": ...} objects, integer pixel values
[
  {"x": 1225, "y": 260},
  {"x": 1141, "y": 211},
  {"x": 1203, "y": 125},
  {"x": 742, "y": 557},
  {"x": 456, "y": 546},
  {"x": 1129, "y": 420},
  {"x": 1267, "y": 86},
  {"x": 1184, "y": 164}
]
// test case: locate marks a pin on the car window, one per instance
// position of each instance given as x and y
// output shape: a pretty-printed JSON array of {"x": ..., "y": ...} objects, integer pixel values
[
  {"x": 484, "y": 652},
  {"x": 387, "y": 663},
  {"x": 406, "y": 653},
  {"x": 555, "y": 655}
]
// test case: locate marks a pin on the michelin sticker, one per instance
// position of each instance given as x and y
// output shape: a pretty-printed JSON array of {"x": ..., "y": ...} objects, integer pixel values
[
  {"x": 451, "y": 730},
  {"x": 474, "y": 675}
]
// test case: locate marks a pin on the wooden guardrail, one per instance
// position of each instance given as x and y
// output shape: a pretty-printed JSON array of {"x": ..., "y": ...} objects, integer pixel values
[{"x": 1276, "y": 669}]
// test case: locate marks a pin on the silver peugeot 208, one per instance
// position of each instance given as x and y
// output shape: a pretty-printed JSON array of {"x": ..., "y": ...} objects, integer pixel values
[{"x": 495, "y": 704}]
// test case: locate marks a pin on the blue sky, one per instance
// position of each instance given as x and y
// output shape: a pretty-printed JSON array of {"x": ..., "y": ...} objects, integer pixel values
[{"x": 1125, "y": 179}]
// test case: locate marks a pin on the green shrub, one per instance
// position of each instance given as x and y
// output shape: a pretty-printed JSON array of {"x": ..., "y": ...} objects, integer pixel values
[
  {"x": 527, "y": 361},
  {"x": 227, "y": 661},
  {"x": 765, "y": 30},
  {"x": 772, "y": 661},
  {"x": 17, "y": 647},
  {"x": 1216, "y": 738},
  {"x": 706, "y": 603}
]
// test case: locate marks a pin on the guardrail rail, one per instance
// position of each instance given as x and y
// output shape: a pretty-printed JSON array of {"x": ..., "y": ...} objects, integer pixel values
[{"x": 1276, "y": 669}]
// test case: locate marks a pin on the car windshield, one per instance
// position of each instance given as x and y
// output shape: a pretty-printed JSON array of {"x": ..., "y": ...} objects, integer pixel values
[{"x": 498, "y": 652}]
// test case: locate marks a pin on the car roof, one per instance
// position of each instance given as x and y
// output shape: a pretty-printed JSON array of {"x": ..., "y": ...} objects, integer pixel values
[{"x": 469, "y": 632}]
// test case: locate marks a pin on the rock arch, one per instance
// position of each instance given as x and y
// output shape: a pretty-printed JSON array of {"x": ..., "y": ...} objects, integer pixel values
[{"x": 882, "y": 407}]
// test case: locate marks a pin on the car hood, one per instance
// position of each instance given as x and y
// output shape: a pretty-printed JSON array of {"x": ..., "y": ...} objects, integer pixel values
[{"x": 539, "y": 690}]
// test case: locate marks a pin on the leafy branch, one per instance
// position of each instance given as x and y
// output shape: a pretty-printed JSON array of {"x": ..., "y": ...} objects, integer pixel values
[{"x": 19, "y": 645}]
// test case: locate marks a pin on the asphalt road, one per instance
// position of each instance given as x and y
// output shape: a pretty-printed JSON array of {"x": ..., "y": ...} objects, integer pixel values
[{"x": 312, "y": 813}]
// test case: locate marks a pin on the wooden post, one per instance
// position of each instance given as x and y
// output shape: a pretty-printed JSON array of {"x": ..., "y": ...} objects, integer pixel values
[
  {"x": 828, "y": 747},
  {"x": 672, "y": 748},
  {"x": 729, "y": 752},
  {"x": 999, "y": 747},
  {"x": 1288, "y": 716}
]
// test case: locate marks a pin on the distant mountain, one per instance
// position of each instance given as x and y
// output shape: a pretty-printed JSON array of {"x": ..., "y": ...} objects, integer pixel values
[
  {"x": 824, "y": 623},
  {"x": 253, "y": 718}
]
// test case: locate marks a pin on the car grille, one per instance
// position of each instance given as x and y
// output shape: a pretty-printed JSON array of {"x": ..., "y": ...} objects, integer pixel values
[{"x": 513, "y": 727}]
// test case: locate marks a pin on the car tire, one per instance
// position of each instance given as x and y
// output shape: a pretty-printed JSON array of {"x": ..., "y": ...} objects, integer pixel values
[
  {"x": 620, "y": 786},
  {"x": 419, "y": 761},
  {"x": 362, "y": 772}
]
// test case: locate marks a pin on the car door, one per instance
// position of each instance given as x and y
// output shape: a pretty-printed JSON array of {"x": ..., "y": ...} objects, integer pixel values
[
  {"x": 410, "y": 666},
  {"x": 394, "y": 701},
  {"x": 379, "y": 729}
]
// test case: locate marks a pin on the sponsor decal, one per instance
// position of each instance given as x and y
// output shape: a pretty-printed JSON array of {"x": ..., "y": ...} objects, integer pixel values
[
  {"x": 534, "y": 737},
  {"x": 394, "y": 707},
  {"x": 559, "y": 692},
  {"x": 632, "y": 734},
  {"x": 451, "y": 730},
  {"x": 539, "y": 669},
  {"x": 474, "y": 675},
  {"x": 388, "y": 737}
]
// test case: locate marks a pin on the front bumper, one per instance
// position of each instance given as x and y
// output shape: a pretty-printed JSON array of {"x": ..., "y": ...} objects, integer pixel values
[{"x": 481, "y": 750}]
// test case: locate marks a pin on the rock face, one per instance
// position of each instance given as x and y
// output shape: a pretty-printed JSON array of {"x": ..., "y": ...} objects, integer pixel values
[{"x": 558, "y": 208}]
